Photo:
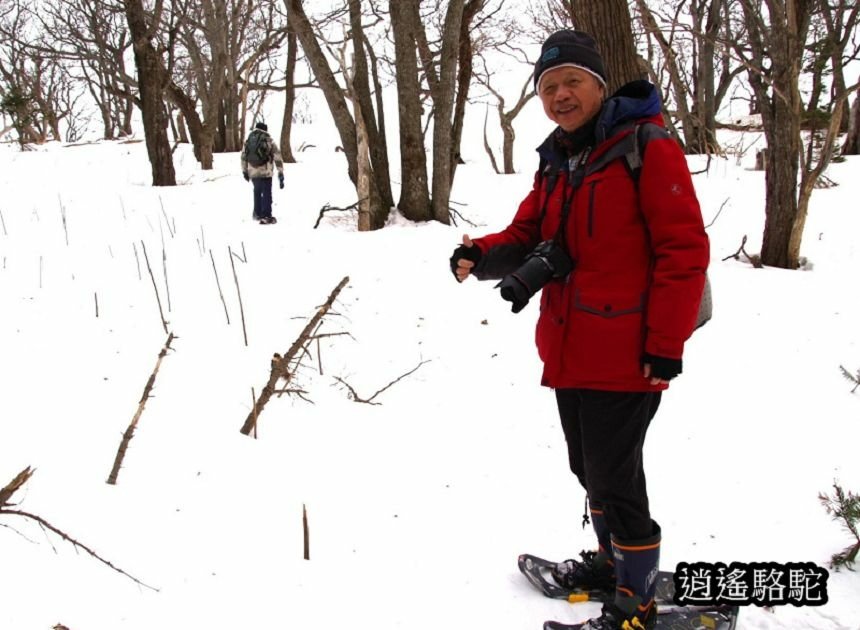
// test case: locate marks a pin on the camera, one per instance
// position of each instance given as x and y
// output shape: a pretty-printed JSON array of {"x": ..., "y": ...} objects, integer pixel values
[{"x": 546, "y": 262}]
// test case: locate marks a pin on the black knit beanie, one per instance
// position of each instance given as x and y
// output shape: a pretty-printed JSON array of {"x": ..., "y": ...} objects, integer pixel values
[
  {"x": 261, "y": 125},
  {"x": 570, "y": 48}
]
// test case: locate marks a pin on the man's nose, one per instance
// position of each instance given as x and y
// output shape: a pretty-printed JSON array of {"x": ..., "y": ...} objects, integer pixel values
[{"x": 563, "y": 93}]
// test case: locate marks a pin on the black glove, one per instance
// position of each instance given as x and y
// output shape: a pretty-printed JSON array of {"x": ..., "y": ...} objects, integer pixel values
[
  {"x": 281, "y": 180},
  {"x": 663, "y": 368},
  {"x": 472, "y": 253},
  {"x": 245, "y": 175}
]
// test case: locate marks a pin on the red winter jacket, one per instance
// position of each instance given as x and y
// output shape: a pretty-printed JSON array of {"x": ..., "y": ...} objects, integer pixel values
[{"x": 641, "y": 253}]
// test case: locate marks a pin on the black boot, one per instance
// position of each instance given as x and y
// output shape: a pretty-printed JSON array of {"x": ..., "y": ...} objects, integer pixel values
[
  {"x": 614, "y": 618},
  {"x": 595, "y": 570}
]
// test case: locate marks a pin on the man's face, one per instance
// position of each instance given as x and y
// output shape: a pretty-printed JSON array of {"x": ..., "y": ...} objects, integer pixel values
[{"x": 570, "y": 96}]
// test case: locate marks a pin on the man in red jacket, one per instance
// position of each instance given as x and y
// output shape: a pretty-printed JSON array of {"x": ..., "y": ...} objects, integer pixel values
[{"x": 619, "y": 255}]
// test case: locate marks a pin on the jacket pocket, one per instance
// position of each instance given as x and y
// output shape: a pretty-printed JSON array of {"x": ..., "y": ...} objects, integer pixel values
[
  {"x": 606, "y": 334},
  {"x": 608, "y": 303}
]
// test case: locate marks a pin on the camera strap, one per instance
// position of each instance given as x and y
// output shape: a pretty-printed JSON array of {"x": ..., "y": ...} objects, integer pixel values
[{"x": 575, "y": 177}]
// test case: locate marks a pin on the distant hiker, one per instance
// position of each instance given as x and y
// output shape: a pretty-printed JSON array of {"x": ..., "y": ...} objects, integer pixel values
[
  {"x": 260, "y": 157},
  {"x": 611, "y": 234}
]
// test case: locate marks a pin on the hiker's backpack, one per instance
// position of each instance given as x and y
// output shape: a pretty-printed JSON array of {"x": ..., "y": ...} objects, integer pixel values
[
  {"x": 631, "y": 148},
  {"x": 258, "y": 148}
]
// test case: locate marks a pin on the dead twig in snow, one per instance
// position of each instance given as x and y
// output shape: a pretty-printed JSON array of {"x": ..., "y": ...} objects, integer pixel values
[
  {"x": 129, "y": 432},
  {"x": 239, "y": 293},
  {"x": 5, "y": 508},
  {"x": 329, "y": 208},
  {"x": 166, "y": 283},
  {"x": 166, "y": 220},
  {"x": 137, "y": 260},
  {"x": 243, "y": 258},
  {"x": 354, "y": 395},
  {"x": 754, "y": 260},
  {"x": 307, "y": 532},
  {"x": 716, "y": 216},
  {"x": 456, "y": 213},
  {"x": 218, "y": 283},
  {"x": 63, "y": 217},
  {"x": 280, "y": 366},
  {"x": 155, "y": 287}
]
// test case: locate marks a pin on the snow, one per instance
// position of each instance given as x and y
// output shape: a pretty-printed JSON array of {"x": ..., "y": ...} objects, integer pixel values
[{"x": 419, "y": 505}]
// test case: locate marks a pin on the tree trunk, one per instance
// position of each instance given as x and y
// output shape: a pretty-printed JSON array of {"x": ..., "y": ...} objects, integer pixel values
[
  {"x": 852, "y": 141},
  {"x": 337, "y": 106},
  {"x": 151, "y": 84},
  {"x": 414, "y": 201},
  {"x": 202, "y": 138},
  {"x": 508, "y": 137},
  {"x": 375, "y": 136},
  {"x": 609, "y": 22},
  {"x": 331, "y": 90},
  {"x": 443, "y": 106},
  {"x": 464, "y": 80},
  {"x": 181, "y": 129},
  {"x": 366, "y": 219},
  {"x": 289, "y": 96},
  {"x": 703, "y": 115},
  {"x": 782, "y": 41}
]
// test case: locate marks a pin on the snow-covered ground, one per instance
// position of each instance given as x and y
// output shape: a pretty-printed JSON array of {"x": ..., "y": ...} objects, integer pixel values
[{"x": 417, "y": 507}]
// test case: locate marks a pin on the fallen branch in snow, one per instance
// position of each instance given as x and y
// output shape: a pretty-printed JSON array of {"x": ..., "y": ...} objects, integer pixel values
[
  {"x": 281, "y": 365},
  {"x": 5, "y": 508},
  {"x": 331, "y": 208},
  {"x": 355, "y": 397},
  {"x": 129, "y": 432},
  {"x": 754, "y": 260},
  {"x": 851, "y": 377}
]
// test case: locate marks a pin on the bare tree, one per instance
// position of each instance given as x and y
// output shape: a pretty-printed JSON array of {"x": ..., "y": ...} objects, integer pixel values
[
  {"x": 414, "y": 200},
  {"x": 776, "y": 52},
  {"x": 447, "y": 72},
  {"x": 609, "y": 22},
  {"x": 151, "y": 81},
  {"x": 337, "y": 103},
  {"x": 506, "y": 116},
  {"x": 289, "y": 94},
  {"x": 689, "y": 52},
  {"x": 852, "y": 140},
  {"x": 93, "y": 34}
]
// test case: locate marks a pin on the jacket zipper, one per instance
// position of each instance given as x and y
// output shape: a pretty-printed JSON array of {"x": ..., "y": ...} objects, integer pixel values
[{"x": 591, "y": 191}]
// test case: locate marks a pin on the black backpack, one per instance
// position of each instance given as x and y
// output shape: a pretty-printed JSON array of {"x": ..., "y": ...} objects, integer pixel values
[{"x": 258, "y": 148}]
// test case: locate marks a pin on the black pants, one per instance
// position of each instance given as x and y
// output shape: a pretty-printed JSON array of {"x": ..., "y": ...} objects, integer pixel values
[
  {"x": 262, "y": 197},
  {"x": 605, "y": 432}
]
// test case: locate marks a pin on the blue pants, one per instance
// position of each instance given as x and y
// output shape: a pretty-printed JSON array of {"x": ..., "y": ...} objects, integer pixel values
[{"x": 262, "y": 197}]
